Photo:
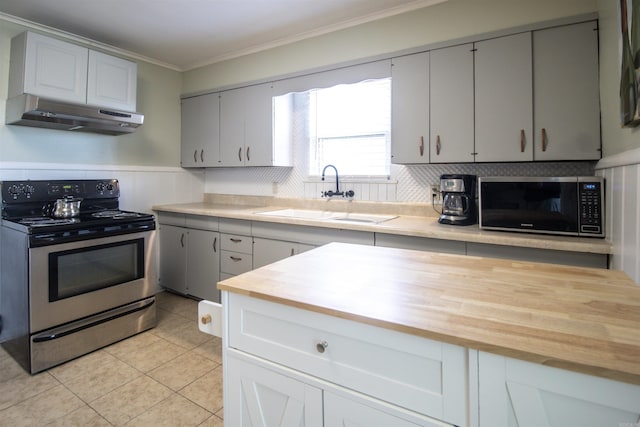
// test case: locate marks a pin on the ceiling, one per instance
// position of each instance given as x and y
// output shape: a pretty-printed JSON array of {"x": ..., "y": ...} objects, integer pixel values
[{"x": 184, "y": 34}]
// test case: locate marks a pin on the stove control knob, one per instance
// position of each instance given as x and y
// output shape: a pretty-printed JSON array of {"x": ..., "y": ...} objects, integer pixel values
[
  {"x": 100, "y": 187},
  {"x": 28, "y": 190},
  {"x": 110, "y": 187},
  {"x": 15, "y": 191}
]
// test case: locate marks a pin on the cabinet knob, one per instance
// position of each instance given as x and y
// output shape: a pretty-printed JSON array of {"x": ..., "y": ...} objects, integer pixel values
[
  {"x": 322, "y": 346},
  {"x": 205, "y": 319}
]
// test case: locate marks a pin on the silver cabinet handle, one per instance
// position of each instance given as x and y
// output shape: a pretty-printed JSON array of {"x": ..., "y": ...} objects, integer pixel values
[
  {"x": 236, "y": 240},
  {"x": 248, "y": 157},
  {"x": 182, "y": 240},
  {"x": 240, "y": 154},
  {"x": 215, "y": 244},
  {"x": 322, "y": 346},
  {"x": 235, "y": 258},
  {"x": 438, "y": 145},
  {"x": 202, "y": 155},
  {"x": 195, "y": 156},
  {"x": 421, "y": 146},
  {"x": 544, "y": 139},
  {"x": 522, "y": 141}
]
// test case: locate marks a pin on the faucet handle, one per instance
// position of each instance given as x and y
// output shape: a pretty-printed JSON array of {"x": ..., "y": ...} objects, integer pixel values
[{"x": 349, "y": 193}]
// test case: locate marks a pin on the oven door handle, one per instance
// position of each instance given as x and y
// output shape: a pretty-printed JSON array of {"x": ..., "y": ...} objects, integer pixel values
[{"x": 92, "y": 321}]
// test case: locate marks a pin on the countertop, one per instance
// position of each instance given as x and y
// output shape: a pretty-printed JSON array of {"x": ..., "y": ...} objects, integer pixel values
[
  {"x": 581, "y": 319},
  {"x": 407, "y": 223}
]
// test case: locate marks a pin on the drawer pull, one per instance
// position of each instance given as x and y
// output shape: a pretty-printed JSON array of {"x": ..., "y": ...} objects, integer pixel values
[
  {"x": 235, "y": 258},
  {"x": 322, "y": 346},
  {"x": 236, "y": 240}
]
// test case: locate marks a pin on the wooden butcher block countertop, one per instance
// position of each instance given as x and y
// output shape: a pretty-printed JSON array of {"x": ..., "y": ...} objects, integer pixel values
[{"x": 581, "y": 319}]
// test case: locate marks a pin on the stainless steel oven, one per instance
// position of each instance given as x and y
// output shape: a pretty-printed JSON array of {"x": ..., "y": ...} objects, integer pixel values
[{"x": 71, "y": 286}]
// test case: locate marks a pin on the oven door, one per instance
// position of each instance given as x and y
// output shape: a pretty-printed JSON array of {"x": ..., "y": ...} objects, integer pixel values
[{"x": 70, "y": 281}]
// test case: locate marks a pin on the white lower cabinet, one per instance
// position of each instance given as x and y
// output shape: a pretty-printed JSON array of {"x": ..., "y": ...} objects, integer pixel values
[
  {"x": 517, "y": 393},
  {"x": 368, "y": 375}
]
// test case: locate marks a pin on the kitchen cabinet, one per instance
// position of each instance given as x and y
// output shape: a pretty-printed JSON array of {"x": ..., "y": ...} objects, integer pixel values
[
  {"x": 55, "y": 69},
  {"x": 420, "y": 243},
  {"x": 504, "y": 99},
  {"x": 200, "y": 131},
  {"x": 452, "y": 108},
  {"x": 246, "y": 129},
  {"x": 190, "y": 255},
  {"x": 320, "y": 358},
  {"x": 517, "y": 393},
  {"x": 410, "y": 109},
  {"x": 566, "y": 93},
  {"x": 267, "y": 251},
  {"x": 236, "y": 246}
]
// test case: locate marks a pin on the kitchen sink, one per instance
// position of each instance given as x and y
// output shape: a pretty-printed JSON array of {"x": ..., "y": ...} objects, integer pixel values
[
  {"x": 328, "y": 215},
  {"x": 300, "y": 213}
]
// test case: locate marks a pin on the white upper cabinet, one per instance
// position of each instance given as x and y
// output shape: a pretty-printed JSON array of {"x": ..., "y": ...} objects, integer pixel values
[
  {"x": 451, "y": 88},
  {"x": 504, "y": 99},
  {"x": 112, "y": 82},
  {"x": 410, "y": 109},
  {"x": 55, "y": 69},
  {"x": 566, "y": 93},
  {"x": 200, "y": 131},
  {"x": 48, "y": 67},
  {"x": 246, "y": 129}
]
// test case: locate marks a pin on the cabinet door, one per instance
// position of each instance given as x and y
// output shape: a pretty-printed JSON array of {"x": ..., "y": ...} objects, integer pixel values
[
  {"x": 232, "y": 128},
  {"x": 517, "y": 393},
  {"x": 266, "y": 251},
  {"x": 203, "y": 264},
  {"x": 566, "y": 93},
  {"x": 504, "y": 99},
  {"x": 200, "y": 131},
  {"x": 343, "y": 411},
  {"x": 55, "y": 69},
  {"x": 258, "y": 134},
  {"x": 173, "y": 257},
  {"x": 451, "y": 81},
  {"x": 410, "y": 109},
  {"x": 257, "y": 396},
  {"x": 112, "y": 82}
]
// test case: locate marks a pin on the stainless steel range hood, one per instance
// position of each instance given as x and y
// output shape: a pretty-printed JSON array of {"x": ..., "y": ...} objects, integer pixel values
[{"x": 31, "y": 110}]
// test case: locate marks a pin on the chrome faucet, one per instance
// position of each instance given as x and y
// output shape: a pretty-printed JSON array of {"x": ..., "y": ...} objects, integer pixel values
[{"x": 331, "y": 193}]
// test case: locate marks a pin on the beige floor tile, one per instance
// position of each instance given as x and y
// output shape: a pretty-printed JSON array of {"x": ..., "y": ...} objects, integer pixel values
[
  {"x": 206, "y": 391},
  {"x": 213, "y": 421},
  {"x": 145, "y": 351},
  {"x": 81, "y": 366},
  {"x": 182, "y": 370},
  {"x": 172, "y": 412},
  {"x": 9, "y": 368},
  {"x": 169, "y": 322},
  {"x": 185, "y": 307},
  {"x": 211, "y": 349},
  {"x": 102, "y": 380},
  {"x": 188, "y": 336},
  {"x": 82, "y": 417},
  {"x": 23, "y": 387},
  {"x": 130, "y": 400},
  {"x": 41, "y": 409}
]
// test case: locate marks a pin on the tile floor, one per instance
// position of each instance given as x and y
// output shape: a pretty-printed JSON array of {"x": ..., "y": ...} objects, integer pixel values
[{"x": 168, "y": 376}]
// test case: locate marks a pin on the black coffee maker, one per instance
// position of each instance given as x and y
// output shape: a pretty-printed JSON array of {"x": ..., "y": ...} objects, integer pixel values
[{"x": 458, "y": 199}]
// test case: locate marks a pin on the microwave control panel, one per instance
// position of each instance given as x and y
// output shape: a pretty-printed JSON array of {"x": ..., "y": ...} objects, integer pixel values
[{"x": 591, "y": 201}]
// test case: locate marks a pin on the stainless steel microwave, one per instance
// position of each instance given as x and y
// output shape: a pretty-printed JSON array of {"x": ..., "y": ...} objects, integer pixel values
[{"x": 552, "y": 205}]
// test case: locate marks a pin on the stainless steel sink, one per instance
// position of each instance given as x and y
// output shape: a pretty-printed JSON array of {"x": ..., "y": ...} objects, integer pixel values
[{"x": 328, "y": 215}]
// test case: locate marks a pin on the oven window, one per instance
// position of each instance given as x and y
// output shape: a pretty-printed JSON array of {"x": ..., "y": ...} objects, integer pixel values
[{"x": 84, "y": 270}]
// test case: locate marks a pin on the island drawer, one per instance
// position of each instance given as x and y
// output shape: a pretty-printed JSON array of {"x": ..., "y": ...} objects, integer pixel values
[{"x": 416, "y": 373}]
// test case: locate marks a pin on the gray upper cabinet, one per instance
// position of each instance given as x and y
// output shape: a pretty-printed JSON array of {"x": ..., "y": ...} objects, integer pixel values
[
  {"x": 566, "y": 93},
  {"x": 504, "y": 99},
  {"x": 451, "y": 89},
  {"x": 410, "y": 109},
  {"x": 200, "y": 131},
  {"x": 232, "y": 127}
]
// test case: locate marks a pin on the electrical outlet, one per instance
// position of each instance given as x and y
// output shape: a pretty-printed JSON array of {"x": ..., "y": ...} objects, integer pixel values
[{"x": 436, "y": 194}]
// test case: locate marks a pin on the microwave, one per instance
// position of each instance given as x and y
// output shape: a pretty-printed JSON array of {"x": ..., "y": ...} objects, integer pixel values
[{"x": 571, "y": 206}]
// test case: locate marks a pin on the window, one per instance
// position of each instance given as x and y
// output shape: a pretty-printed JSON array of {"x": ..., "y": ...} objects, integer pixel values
[{"x": 345, "y": 125}]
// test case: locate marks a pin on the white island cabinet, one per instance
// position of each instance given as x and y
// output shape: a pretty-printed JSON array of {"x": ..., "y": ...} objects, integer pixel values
[{"x": 306, "y": 367}]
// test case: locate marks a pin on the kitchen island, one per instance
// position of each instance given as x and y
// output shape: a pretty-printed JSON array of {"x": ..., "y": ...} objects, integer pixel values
[{"x": 417, "y": 338}]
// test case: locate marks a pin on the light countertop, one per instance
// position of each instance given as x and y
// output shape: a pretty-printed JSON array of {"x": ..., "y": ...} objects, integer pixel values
[
  {"x": 582, "y": 319},
  {"x": 411, "y": 221}
]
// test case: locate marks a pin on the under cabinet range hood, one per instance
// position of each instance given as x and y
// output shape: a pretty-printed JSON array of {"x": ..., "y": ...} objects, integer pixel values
[{"x": 32, "y": 110}]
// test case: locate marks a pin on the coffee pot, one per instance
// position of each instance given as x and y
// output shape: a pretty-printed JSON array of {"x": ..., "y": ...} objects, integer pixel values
[{"x": 458, "y": 199}]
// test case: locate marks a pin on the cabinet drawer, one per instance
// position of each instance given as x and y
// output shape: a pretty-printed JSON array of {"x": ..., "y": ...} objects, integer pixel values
[
  {"x": 421, "y": 375},
  {"x": 237, "y": 243},
  {"x": 235, "y": 263}
]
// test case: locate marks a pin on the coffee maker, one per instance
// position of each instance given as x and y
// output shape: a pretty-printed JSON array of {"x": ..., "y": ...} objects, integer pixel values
[{"x": 458, "y": 199}]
